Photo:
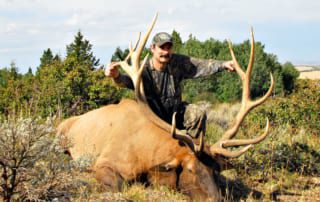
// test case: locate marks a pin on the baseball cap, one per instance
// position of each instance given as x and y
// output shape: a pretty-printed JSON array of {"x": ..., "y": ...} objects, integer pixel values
[{"x": 161, "y": 38}]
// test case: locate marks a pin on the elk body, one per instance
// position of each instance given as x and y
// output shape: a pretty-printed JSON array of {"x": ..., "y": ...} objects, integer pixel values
[{"x": 130, "y": 141}]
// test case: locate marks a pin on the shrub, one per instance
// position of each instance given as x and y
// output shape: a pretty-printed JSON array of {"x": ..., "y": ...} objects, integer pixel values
[{"x": 32, "y": 164}]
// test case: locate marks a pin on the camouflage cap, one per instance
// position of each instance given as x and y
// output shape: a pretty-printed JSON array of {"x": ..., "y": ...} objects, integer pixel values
[{"x": 161, "y": 38}]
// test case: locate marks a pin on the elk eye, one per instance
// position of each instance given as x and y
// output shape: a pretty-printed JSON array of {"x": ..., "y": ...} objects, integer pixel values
[
  {"x": 190, "y": 168},
  {"x": 168, "y": 168}
]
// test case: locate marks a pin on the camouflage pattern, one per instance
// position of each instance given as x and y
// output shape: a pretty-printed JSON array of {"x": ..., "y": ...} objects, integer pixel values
[
  {"x": 192, "y": 116},
  {"x": 163, "y": 88},
  {"x": 161, "y": 38}
]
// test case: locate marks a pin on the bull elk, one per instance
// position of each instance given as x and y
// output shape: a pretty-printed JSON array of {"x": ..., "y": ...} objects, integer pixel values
[{"x": 129, "y": 140}]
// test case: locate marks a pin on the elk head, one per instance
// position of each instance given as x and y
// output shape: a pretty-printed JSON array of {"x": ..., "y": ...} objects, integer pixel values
[{"x": 196, "y": 175}]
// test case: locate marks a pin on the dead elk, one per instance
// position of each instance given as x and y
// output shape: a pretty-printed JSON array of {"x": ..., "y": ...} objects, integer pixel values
[{"x": 129, "y": 140}]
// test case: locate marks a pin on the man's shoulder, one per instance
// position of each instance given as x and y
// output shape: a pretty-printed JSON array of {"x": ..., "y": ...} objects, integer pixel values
[
  {"x": 176, "y": 56},
  {"x": 179, "y": 60},
  {"x": 181, "y": 65}
]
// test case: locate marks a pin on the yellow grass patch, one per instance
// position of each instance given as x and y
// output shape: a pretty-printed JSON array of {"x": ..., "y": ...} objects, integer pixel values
[{"x": 310, "y": 75}]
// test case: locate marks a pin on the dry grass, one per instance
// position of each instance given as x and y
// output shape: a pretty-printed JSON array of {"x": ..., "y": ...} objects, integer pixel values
[
  {"x": 310, "y": 75},
  {"x": 304, "y": 68},
  {"x": 92, "y": 190},
  {"x": 308, "y": 72}
]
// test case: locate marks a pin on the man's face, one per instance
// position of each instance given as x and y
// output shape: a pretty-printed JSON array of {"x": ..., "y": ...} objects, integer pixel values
[{"x": 162, "y": 53}]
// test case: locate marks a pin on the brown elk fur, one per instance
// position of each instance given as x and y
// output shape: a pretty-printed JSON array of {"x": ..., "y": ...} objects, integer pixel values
[{"x": 126, "y": 144}]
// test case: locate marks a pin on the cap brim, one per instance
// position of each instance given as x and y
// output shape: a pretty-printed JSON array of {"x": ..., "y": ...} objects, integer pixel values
[{"x": 164, "y": 42}]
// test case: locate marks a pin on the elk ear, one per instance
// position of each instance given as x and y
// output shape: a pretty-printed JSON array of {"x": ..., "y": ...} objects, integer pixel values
[{"x": 172, "y": 164}]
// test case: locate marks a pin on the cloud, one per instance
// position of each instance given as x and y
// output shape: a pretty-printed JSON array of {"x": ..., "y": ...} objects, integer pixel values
[{"x": 41, "y": 24}]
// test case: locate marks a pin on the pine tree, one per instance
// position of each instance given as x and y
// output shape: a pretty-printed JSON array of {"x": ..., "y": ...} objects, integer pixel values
[
  {"x": 80, "y": 49},
  {"x": 177, "y": 41},
  {"x": 46, "y": 58}
]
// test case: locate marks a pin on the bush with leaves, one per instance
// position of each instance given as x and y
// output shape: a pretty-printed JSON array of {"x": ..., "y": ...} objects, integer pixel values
[
  {"x": 301, "y": 109},
  {"x": 32, "y": 164}
]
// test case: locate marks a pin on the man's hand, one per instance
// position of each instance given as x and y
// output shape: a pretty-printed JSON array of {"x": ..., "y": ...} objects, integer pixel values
[
  {"x": 229, "y": 65},
  {"x": 112, "y": 70}
]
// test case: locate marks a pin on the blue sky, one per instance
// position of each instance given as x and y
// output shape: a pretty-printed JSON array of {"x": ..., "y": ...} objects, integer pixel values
[{"x": 289, "y": 29}]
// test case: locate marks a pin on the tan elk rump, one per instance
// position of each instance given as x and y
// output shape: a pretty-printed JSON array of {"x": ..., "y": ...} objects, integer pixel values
[{"x": 129, "y": 140}]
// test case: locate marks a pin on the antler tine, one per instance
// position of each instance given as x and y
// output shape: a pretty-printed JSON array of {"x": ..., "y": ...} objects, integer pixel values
[
  {"x": 131, "y": 50},
  {"x": 198, "y": 148},
  {"x": 235, "y": 61},
  {"x": 135, "y": 72},
  {"x": 269, "y": 92},
  {"x": 186, "y": 138},
  {"x": 145, "y": 38},
  {"x": 200, "y": 129},
  {"x": 139, "y": 90},
  {"x": 232, "y": 143},
  {"x": 246, "y": 105},
  {"x": 138, "y": 40},
  {"x": 251, "y": 61},
  {"x": 173, "y": 124},
  {"x": 227, "y": 153}
]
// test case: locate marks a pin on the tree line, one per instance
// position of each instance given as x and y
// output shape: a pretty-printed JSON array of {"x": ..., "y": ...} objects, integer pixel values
[{"x": 76, "y": 83}]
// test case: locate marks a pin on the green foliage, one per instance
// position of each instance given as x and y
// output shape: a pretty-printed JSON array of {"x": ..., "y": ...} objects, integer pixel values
[
  {"x": 119, "y": 55},
  {"x": 177, "y": 41},
  {"x": 301, "y": 109},
  {"x": 72, "y": 88},
  {"x": 290, "y": 156},
  {"x": 297, "y": 158},
  {"x": 64, "y": 87},
  {"x": 15, "y": 91},
  {"x": 289, "y": 77},
  {"x": 46, "y": 58},
  {"x": 80, "y": 50},
  {"x": 226, "y": 86}
]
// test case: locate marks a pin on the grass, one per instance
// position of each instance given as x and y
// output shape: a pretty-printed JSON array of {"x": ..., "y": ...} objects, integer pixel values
[
  {"x": 278, "y": 169},
  {"x": 284, "y": 167}
]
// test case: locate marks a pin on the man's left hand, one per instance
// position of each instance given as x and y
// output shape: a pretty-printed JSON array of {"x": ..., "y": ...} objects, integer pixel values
[{"x": 229, "y": 65}]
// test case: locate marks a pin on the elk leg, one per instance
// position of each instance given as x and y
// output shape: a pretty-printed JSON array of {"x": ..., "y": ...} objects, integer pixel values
[
  {"x": 111, "y": 179},
  {"x": 163, "y": 178}
]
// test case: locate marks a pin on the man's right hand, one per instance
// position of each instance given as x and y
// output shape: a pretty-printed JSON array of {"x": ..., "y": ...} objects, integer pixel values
[{"x": 112, "y": 70}]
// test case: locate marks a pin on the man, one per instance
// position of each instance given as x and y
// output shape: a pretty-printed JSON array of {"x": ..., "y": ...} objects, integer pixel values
[{"x": 162, "y": 76}]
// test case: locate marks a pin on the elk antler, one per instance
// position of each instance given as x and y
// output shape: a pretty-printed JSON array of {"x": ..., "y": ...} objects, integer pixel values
[
  {"x": 135, "y": 73},
  {"x": 246, "y": 105}
]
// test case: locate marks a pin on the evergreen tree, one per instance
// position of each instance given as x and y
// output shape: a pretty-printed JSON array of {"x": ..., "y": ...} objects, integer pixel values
[
  {"x": 289, "y": 77},
  {"x": 46, "y": 58},
  {"x": 177, "y": 41},
  {"x": 80, "y": 49},
  {"x": 119, "y": 54},
  {"x": 13, "y": 71}
]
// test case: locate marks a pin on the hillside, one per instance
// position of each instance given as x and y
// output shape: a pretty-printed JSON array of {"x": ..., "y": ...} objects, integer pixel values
[{"x": 308, "y": 71}]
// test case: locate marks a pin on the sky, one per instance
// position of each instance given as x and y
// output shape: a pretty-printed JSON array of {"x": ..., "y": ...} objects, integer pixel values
[{"x": 289, "y": 29}]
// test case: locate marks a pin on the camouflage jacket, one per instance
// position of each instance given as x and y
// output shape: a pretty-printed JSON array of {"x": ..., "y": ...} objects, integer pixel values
[{"x": 163, "y": 88}]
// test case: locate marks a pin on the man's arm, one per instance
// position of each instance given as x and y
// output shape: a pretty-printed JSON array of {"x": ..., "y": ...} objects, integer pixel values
[
  {"x": 195, "y": 67},
  {"x": 120, "y": 79},
  {"x": 123, "y": 80},
  {"x": 206, "y": 67}
]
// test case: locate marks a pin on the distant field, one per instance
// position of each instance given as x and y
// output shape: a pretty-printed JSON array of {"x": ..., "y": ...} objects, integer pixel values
[{"x": 308, "y": 72}]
